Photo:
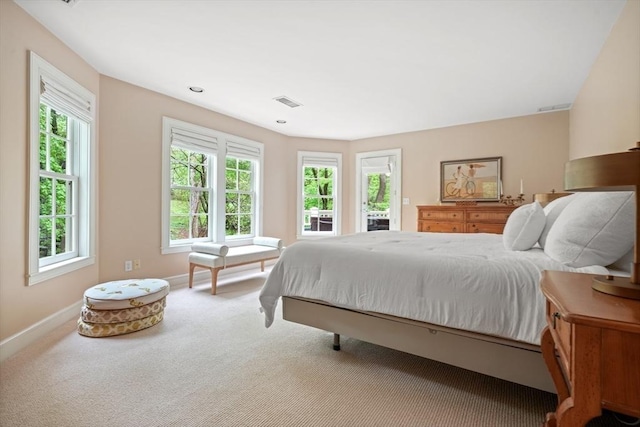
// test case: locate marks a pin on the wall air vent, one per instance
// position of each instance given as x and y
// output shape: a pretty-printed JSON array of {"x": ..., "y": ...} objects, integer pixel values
[
  {"x": 554, "y": 108},
  {"x": 287, "y": 101}
]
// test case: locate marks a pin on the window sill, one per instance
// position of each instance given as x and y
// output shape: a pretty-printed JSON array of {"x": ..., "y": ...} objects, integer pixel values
[{"x": 55, "y": 270}]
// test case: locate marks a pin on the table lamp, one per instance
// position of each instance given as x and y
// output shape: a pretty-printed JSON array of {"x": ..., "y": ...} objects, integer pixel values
[{"x": 611, "y": 172}]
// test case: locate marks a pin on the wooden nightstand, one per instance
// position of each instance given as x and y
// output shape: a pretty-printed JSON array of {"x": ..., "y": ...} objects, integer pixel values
[{"x": 592, "y": 349}]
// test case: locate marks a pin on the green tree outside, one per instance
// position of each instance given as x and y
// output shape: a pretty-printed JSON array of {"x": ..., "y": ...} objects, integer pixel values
[{"x": 55, "y": 194}]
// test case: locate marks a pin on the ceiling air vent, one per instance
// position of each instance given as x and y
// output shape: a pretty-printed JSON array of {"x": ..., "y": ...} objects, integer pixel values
[
  {"x": 288, "y": 102},
  {"x": 554, "y": 108}
]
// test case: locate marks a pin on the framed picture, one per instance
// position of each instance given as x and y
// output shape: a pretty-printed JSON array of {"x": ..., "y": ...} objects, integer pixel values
[{"x": 476, "y": 180}]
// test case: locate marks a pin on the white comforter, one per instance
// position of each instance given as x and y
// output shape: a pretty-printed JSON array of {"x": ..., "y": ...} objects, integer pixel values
[{"x": 462, "y": 281}]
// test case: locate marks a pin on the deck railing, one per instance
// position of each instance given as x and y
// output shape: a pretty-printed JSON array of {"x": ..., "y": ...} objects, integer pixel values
[{"x": 312, "y": 217}]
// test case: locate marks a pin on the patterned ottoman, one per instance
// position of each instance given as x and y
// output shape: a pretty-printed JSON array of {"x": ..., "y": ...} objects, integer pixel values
[{"x": 122, "y": 307}]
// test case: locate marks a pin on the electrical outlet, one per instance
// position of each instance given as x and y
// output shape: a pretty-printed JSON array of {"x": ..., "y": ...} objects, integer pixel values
[
  {"x": 128, "y": 266},
  {"x": 405, "y": 201},
  {"x": 136, "y": 264}
]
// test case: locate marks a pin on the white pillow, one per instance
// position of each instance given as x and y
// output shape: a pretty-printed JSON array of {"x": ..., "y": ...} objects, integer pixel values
[
  {"x": 268, "y": 241},
  {"x": 552, "y": 212},
  {"x": 624, "y": 263},
  {"x": 523, "y": 227},
  {"x": 210, "y": 248},
  {"x": 595, "y": 229}
]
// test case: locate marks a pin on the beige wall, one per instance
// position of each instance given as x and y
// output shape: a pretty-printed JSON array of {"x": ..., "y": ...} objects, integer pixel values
[
  {"x": 130, "y": 176},
  {"x": 605, "y": 117},
  {"x": 533, "y": 148},
  {"x": 131, "y": 170},
  {"x": 129, "y": 149},
  {"x": 21, "y": 306}
]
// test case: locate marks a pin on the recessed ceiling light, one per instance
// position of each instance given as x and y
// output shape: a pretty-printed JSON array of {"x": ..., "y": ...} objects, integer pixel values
[
  {"x": 281, "y": 121},
  {"x": 196, "y": 89}
]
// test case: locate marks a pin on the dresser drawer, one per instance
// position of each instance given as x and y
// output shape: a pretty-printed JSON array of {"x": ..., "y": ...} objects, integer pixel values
[
  {"x": 463, "y": 218},
  {"x": 441, "y": 227},
  {"x": 561, "y": 331},
  {"x": 484, "y": 227},
  {"x": 442, "y": 215},
  {"x": 488, "y": 216}
]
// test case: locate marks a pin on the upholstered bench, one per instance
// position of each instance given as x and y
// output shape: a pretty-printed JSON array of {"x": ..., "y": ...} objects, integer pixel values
[
  {"x": 217, "y": 257},
  {"x": 122, "y": 306}
]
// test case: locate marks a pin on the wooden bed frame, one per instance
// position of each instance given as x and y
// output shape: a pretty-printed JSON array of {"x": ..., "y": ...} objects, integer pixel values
[{"x": 509, "y": 360}]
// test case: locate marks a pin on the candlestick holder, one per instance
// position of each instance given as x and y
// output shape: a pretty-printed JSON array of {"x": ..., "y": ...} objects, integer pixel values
[{"x": 512, "y": 201}]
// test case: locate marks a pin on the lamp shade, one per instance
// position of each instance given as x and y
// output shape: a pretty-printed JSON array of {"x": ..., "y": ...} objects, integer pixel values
[{"x": 608, "y": 172}]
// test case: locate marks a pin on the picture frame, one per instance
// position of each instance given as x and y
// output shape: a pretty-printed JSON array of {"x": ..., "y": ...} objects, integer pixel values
[{"x": 471, "y": 180}]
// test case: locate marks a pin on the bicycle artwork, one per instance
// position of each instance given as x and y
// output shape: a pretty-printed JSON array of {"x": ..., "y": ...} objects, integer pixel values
[{"x": 471, "y": 180}]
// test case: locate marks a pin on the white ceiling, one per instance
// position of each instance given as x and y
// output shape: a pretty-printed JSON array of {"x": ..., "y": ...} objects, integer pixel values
[{"x": 360, "y": 68}]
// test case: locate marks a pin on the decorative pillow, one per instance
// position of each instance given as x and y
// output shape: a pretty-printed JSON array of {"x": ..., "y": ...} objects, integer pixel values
[
  {"x": 210, "y": 248},
  {"x": 594, "y": 229},
  {"x": 552, "y": 212},
  {"x": 268, "y": 241},
  {"x": 523, "y": 227}
]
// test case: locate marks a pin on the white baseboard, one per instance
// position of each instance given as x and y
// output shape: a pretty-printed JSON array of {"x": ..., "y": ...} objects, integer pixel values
[{"x": 15, "y": 343}]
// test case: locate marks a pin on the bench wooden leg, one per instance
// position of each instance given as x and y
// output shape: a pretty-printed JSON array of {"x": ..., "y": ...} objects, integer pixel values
[
  {"x": 214, "y": 280},
  {"x": 262, "y": 266},
  {"x": 191, "y": 268}
]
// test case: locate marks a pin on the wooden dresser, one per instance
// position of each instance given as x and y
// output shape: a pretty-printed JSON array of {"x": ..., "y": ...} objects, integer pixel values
[
  {"x": 463, "y": 219},
  {"x": 591, "y": 347}
]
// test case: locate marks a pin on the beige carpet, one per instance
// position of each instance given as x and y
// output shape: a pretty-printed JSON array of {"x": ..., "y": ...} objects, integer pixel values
[{"x": 211, "y": 362}]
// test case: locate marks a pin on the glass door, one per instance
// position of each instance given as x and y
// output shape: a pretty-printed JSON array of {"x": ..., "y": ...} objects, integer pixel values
[{"x": 378, "y": 183}]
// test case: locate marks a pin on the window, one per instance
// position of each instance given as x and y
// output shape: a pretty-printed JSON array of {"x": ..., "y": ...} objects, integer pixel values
[
  {"x": 211, "y": 186},
  {"x": 239, "y": 197},
  {"x": 319, "y": 183},
  {"x": 61, "y": 174},
  {"x": 190, "y": 194}
]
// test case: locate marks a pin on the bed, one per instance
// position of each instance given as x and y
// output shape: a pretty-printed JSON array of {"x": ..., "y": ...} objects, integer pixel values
[{"x": 469, "y": 300}]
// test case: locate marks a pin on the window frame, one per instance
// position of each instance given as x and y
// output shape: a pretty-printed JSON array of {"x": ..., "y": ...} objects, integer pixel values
[
  {"x": 227, "y": 146},
  {"x": 83, "y": 171},
  {"x": 324, "y": 157},
  {"x": 251, "y": 193},
  {"x": 209, "y": 189}
]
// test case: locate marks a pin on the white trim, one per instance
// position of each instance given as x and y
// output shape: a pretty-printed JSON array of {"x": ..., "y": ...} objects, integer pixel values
[
  {"x": 320, "y": 159},
  {"x": 239, "y": 147},
  {"x": 395, "y": 205},
  {"x": 37, "y": 331},
  {"x": 245, "y": 149},
  {"x": 85, "y": 162}
]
